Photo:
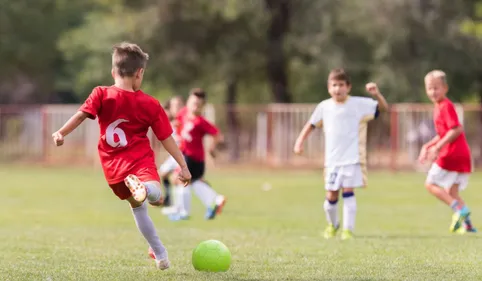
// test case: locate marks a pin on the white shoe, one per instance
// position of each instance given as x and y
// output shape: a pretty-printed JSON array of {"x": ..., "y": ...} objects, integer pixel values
[
  {"x": 163, "y": 264},
  {"x": 137, "y": 188}
]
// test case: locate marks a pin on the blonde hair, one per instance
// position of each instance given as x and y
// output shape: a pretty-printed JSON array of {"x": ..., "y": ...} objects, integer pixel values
[
  {"x": 436, "y": 74},
  {"x": 127, "y": 58}
]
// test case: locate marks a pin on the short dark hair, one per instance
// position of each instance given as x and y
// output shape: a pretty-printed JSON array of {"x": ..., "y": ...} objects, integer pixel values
[
  {"x": 127, "y": 58},
  {"x": 198, "y": 92},
  {"x": 339, "y": 74}
]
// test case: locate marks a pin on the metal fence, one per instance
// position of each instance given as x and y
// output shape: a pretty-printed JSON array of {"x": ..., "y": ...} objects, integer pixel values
[{"x": 254, "y": 135}]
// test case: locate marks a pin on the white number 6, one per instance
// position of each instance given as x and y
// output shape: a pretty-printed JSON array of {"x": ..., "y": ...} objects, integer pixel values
[{"x": 112, "y": 131}]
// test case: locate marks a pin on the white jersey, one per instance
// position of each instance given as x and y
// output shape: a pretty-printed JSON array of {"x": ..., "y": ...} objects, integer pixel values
[{"x": 344, "y": 126}]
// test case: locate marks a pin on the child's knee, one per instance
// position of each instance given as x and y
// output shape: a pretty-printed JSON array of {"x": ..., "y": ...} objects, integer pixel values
[
  {"x": 454, "y": 191},
  {"x": 429, "y": 187},
  {"x": 332, "y": 195}
]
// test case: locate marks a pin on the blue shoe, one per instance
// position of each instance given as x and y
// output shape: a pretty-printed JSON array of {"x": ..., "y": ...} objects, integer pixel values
[
  {"x": 458, "y": 218},
  {"x": 471, "y": 229},
  {"x": 177, "y": 217},
  {"x": 216, "y": 209}
]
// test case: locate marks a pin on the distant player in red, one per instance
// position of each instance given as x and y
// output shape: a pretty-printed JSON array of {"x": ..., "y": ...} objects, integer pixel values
[
  {"x": 449, "y": 149},
  {"x": 125, "y": 114},
  {"x": 192, "y": 127}
]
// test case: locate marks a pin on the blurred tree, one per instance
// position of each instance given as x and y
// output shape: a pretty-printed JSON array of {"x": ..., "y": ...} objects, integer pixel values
[{"x": 30, "y": 59}]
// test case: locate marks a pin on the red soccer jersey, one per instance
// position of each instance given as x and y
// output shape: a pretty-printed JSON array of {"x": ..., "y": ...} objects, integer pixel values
[
  {"x": 124, "y": 119},
  {"x": 192, "y": 130},
  {"x": 454, "y": 156}
]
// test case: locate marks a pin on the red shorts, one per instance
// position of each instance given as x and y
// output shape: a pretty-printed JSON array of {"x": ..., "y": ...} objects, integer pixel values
[{"x": 144, "y": 174}]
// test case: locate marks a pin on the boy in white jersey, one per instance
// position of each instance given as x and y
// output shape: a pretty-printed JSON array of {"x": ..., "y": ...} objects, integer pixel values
[{"x": 344, "y": 120}]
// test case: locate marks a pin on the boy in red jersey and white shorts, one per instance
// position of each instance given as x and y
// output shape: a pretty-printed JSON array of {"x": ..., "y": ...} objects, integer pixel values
[
  {"x": 449, "y": 149},
  {"x": 125, "y": 114},
  {"x": 192, "y": 127}
]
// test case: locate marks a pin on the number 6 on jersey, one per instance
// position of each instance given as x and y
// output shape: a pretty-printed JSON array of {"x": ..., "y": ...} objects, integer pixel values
[{"x": 112, "y": 131}]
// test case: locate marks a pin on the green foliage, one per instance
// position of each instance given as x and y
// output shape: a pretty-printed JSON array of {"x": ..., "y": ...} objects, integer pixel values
[{"x": 65, "y": 45}]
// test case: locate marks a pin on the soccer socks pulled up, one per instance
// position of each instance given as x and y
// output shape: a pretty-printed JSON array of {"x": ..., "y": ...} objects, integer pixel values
[
  {"x": 146, "y": 227},
  {"x": 349, "y": 210},
  {"x": 205, "y": 193},
  {"x": 182, "y": 200},
  {"x": 455, "y": 206},
  {"x": 331, "y": 211}
]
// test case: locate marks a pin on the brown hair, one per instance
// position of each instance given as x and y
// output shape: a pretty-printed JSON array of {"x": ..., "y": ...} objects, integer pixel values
[
  {"x": 339, "y": 74},
  {"x": 198, "y": 92},
  {"x": 127, "y": 58}
]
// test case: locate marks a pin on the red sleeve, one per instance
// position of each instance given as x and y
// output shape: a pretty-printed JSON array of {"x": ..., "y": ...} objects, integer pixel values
[
  {"x": 160, "y": 124},
  {"x": 209, "y": 128},
  {"x": 450, "y": 116},
  {"x": 93, "y": 103}
]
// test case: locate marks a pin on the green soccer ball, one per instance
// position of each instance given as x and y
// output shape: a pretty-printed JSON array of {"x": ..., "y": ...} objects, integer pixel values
[{"x": 212, "y": 256}]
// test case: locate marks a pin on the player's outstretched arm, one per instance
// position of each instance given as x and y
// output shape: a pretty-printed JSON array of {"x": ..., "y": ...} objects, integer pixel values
[
  {"x": 373, "y": 90},
  {"x": 68, "y": 127},
  {"x": 171, "y": 147},
  {"x": 305, "y": 132}
]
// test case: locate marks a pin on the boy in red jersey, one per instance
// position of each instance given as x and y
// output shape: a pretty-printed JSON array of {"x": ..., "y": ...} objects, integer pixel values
[
  {"x": 449, "y": 149},
  {"x": 192, "y": 128},
  {"x": 125, "y": 114}
]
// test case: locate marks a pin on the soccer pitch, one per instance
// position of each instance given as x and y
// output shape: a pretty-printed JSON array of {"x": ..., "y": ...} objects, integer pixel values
[{"x": 66, "y": 224}]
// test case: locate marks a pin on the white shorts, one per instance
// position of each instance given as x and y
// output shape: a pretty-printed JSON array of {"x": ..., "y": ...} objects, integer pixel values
[
  {"x": 168, "y": 166},
  {"x": 446, "y": 179},
  {"x": 347, "y": 176}
]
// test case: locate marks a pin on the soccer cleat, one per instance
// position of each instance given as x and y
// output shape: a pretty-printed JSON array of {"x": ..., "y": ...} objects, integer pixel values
[
  {"x": 217, "y": 208},
  {"x": 346, "y": 234},
  {"x": 161, "y": 264},
  {"x": 137, "y": 188},
  {"x": 470, "y": 229},
  {"x": 458, "y": 218},
  {"x": 330, "y": 231}
]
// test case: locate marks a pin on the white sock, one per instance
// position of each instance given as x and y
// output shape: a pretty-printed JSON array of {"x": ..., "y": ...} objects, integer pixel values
[
  {"x": 205, "y": 193},
  {"x": 331, "y": 211},
  {"x": 146, "y": 227},
  {"x": 349, "y": 211},
  {"x": 183, "y": 200},
  {"x": 154, "y": 192}
]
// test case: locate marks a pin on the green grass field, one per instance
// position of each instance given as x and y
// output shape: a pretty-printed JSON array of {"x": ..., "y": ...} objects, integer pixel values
[{"x": 65, "y": 224}]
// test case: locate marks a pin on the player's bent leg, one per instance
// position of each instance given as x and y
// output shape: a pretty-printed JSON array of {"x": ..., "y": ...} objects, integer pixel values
[
  {"x": 154, "y": 193},
  {"x": 213, "y": 201},
  {"x": 349, "y": 213},
  {"x": 331, "y": 211},
  {"x": 147, "y": 229},
  {"x": 439, "y": 192},
  {"x": 182, "y": 202},
  {"x": 459, "y": 206}
]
